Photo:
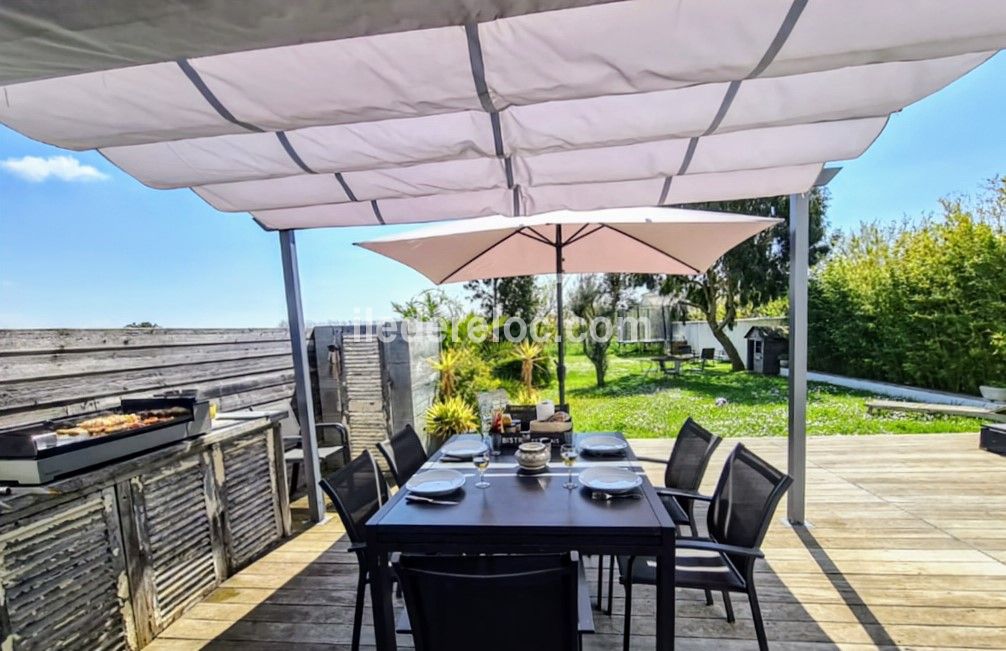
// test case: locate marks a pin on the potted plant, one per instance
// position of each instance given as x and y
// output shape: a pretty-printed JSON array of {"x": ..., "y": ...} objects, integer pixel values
[{"x": 446, "y": 418}]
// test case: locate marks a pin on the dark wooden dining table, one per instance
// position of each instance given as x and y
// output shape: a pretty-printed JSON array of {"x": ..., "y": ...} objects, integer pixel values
[{"x": 523, "y": 513}]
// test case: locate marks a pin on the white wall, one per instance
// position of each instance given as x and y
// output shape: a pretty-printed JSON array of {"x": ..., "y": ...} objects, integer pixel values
[{"x": 699, "y": 335}]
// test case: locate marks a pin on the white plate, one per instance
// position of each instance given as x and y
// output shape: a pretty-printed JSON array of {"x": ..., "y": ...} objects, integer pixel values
[
  {"x": 435, "y": 482},
  {"x": 610, "y": 480},
  {"x": 463, "y": 449},
  {"x": 603, "y": 445}
]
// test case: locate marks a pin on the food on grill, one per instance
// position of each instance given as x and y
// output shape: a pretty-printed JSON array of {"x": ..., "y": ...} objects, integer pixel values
[
  {"x": 116, "y": 423},
  {"x": 73, "y": 431},
  {"x": 169, "y": 412},
  {"x": 109, "y": 424}
]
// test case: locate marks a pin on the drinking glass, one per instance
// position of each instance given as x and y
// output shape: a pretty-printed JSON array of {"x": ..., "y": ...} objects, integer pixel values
[
  {"x": 568, "y": 454},
  {"x": 481, "y": 461}
]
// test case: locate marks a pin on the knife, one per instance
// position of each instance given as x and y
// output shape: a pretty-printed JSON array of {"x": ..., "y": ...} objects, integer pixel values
[{"x": 428, "y": 500}]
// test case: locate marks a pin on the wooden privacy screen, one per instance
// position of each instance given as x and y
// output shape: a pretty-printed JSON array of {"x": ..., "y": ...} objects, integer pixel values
[{"x": 48, "y": 374}]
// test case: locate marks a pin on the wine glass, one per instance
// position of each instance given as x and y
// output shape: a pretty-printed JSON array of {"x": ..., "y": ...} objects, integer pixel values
[
  {"x": 568, "y": 454},
  {"x": 481, "y": 461}
]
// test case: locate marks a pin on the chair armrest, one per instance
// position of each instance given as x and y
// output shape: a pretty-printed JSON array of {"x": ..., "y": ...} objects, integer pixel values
[
  {"x": 652, "y": 460},
  {"x": 357, "y": 547},
  {"x": 691, "y": 495},
  {"x": 701, "y": 544},
  {"x": 343, "y": 431}
]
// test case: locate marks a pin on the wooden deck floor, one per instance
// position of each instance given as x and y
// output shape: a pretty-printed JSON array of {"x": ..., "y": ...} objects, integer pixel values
[{"x": 907, "y": 549}]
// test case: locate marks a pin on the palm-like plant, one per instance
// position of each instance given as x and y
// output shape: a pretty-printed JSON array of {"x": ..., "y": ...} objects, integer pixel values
[
  {"x": 449, "y": 417},
  {"x": 448, "y": 364},
  {"x": 530, "y": 355}
]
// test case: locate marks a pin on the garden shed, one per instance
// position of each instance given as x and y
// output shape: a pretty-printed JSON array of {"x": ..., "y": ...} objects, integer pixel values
[{"x": 765, "y": 347}]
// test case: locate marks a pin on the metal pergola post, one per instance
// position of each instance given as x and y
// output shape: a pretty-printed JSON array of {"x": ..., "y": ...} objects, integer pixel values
[
  {"x": 799, "y": 246},
  {"x": 302, "y": 374}
]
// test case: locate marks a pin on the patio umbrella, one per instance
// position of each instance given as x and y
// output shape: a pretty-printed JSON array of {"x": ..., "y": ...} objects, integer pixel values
[{"x": 633, "y": 240}]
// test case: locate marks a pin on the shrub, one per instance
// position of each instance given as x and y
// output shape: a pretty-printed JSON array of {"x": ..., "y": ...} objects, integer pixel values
[
  {"x": 510, "y": 371},
  {"x": 449, "y": 417},
  {"x": 923, "y": 305},
  {"x": 463, "y": 373}
]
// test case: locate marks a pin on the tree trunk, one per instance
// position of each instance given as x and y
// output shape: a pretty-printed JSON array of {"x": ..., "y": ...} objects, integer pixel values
[{"x": 736, "y": 361}]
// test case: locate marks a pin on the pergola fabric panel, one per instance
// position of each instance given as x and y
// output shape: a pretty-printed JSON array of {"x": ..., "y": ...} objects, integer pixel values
[{"x": 528, "y": 108}]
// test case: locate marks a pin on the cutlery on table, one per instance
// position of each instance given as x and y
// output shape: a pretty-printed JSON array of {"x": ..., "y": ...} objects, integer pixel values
[
  {"x": 607, "y": 497},
  {"x": 428, "y": 500}
]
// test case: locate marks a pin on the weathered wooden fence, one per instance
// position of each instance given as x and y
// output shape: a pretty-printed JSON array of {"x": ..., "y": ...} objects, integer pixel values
[{"x": 48, "y": 374}]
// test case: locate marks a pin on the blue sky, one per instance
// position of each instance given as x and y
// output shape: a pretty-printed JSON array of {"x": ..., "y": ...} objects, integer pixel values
[{"x": 104, "y": 252}]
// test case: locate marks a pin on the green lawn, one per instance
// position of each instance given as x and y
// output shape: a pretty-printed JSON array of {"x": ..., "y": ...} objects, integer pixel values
[{"x": 654, "y": 407}]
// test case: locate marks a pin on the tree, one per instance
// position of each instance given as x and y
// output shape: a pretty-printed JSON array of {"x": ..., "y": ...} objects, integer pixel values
[
  {"x": 592, "y": 301},
  {"x": 142, "y": 324},
  {"x": 429, "y": 305},
  {"x": 751, "y": 274},
  {"x": 511, "y": 297}
]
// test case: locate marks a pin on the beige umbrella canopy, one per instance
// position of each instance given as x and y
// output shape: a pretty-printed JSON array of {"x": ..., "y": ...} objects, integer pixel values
[{"x": 635, "y": 240}]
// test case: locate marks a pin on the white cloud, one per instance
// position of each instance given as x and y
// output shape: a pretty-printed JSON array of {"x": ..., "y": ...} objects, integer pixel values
[{"x": 65, "y": 168}]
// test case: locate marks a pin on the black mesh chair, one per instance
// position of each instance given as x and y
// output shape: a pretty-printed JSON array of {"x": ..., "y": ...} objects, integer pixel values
[
  {"x": 455, "y": 602},
  {"x": 357, "y": 490},
  {"x": 706, "y": 355},
  {"x": 740, "y": 511},
  {"x": 685, "y": 468},
  {"x": 404, "y": 453}
]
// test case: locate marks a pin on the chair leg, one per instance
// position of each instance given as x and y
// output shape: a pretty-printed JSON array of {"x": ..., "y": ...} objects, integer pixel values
[
  {"x": 627, "y": 626},
  {"x": 600, "y": 579},
  {"x": 758, "y": 623},
  {"x": 728, "y": 605},
  {"x": 611, "y": 583},
  {"x": 294, "y": 477},
  {"x": 361, "y": 587}
]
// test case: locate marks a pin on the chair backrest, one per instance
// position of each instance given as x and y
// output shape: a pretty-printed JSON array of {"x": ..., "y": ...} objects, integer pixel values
[
  {"x": 690, "y": 456},
  {"x": 708, "y": 354},
  {"x": 457, "y": 603},
  {"x": 744, "y": 501},
  {"x": 358, "y": 491},
  {"x": 404, "y": 453}
]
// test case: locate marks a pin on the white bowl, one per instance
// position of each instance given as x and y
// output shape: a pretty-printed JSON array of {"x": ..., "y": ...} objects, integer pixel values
[
  {"x": 610, "y": 480},
  {"x": 432, "y": 483}
]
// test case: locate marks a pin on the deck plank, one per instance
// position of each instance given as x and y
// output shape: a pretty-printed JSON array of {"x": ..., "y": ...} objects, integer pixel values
[{"x": 906, "y": 548}]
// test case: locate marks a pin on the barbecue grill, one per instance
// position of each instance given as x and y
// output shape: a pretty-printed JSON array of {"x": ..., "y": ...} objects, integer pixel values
[{"x": 36, "y": 455}]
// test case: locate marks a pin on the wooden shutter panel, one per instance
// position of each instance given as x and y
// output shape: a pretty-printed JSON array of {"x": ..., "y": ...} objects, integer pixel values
[
  {"x": 63, "y": 579},
  {"x": 251, "y": 517},
  {"x": 178, "y": 540}
]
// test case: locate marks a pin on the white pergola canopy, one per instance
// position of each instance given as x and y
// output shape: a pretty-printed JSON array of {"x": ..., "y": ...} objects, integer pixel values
[
  {"x": 313, "y": 113},
  {"x": 318, "y": 114}
]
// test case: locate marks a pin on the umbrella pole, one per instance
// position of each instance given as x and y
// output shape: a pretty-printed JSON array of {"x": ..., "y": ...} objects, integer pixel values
[{"x": 561, "y": 370}]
